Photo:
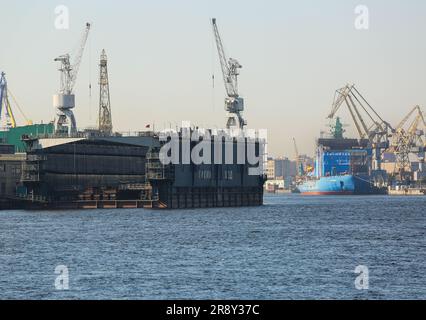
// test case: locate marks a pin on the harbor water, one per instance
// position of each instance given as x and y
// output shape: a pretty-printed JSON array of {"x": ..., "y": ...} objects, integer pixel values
[{"x": 294, "y": 247}]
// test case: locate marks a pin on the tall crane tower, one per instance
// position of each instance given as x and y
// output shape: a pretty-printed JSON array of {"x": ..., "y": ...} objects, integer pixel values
[
  {"x": 105, "y": 119},
  {"x": 5, "y": 104},
  {"x": 64, "y": 101},
  {"x": 234, "y": 104}
]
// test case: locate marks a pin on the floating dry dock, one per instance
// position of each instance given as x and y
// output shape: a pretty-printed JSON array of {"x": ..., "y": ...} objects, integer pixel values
[{"x": 99, "y": 172}]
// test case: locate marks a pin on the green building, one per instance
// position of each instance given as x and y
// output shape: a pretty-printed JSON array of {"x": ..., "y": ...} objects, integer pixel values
[{"x": 13, "y": 136}]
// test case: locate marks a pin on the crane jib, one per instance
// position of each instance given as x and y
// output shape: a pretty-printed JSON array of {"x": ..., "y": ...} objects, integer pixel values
[{"x": 234, "y": 104}]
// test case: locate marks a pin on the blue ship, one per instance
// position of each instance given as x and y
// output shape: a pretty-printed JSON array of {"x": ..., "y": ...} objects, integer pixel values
[
  {"x": 343, "y": 167},
  {"x": 340, "y": 185}
]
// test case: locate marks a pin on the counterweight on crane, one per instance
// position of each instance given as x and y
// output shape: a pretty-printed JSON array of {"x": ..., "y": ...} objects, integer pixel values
[
  {"x": 64, "y": 101},
  {"x": 234, "y": 104},
  {"x": 105, "y": 119}
]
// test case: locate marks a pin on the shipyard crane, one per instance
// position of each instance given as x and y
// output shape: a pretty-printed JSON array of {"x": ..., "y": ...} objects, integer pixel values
[
  {"x": 105, "y": 118},
  {"x": 64, "y": 101},
  {"x": 5, "y": 104},
  {"x": 411, "y": 140},
  {"x": 234, "y": 104},
  {"x": 299, "y": 167},
  {"x": 28, "y": 122},
  {"x": 369, "y": 124}
]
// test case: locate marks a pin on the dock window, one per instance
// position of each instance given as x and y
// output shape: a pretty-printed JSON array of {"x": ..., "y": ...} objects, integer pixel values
[
  {"x": 204, "y": 174},
  {"x": 227, "y": 174}
]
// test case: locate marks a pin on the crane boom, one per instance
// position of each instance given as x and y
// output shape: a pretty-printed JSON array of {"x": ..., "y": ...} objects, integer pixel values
[
  {"x": 404, "y": 121},
  {"x": 69, "y": 71},
  {"x": 295, "y": 149},
  {"x": 229, "y": 87},
  {"x": 300, "y": 170},
  {"x": 297, "y": 157},
  {"x": 78, "y": 58},
  {"x": 368, "y": 122},
  {"x": 339, "y": 98},
  {"x": 357, "y": 106},
  {"x": 28, "y": 121},
  {"x": 64, "y": 102},
  {"x": 419, "y": 119}
]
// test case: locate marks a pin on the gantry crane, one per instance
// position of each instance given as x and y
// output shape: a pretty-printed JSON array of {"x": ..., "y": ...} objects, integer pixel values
[
  {"x": 411, "y": 140},
  {"x": 369, "y": 124},
  {"x": 5, "y": 104},
  {"x": 64, "y": 102},
  {"x": 234, "y": 104}
]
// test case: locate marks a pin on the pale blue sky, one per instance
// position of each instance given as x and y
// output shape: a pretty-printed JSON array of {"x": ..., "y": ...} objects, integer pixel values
[{"x": 295, "y": 54}]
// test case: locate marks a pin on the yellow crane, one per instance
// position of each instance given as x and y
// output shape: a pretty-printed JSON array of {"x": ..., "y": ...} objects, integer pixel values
[
  {"x": 6, "y": 105},
  {"x": 27, "y": 120},
  {"x": 409, "y": 140}
]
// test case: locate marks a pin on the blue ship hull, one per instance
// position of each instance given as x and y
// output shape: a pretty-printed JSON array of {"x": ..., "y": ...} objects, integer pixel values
[{"x": 340, "y": 185}]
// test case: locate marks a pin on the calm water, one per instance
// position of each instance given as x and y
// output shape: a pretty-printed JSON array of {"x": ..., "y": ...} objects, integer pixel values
[{"x": 292, "y": 248}]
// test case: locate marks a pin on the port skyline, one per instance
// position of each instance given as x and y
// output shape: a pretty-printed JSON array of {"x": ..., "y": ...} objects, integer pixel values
[{"x": 274, "y": 80}]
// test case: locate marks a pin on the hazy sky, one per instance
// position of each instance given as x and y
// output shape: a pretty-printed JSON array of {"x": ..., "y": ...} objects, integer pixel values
[{"x": 161, "y": 59}]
